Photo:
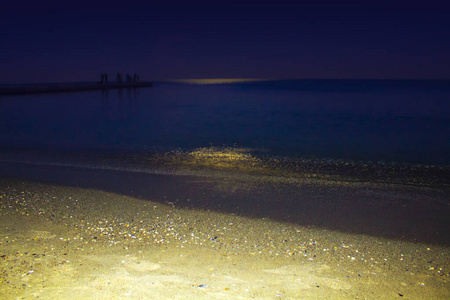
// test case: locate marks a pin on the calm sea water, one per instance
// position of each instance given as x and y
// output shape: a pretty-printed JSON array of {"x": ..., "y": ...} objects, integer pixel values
[
  {"x": 328, "y": 130},
  {"x": 368, "y": 120}
]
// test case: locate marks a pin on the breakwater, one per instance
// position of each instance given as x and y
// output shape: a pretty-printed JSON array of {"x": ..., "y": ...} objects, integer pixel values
[{"x": 69, "y": 87}]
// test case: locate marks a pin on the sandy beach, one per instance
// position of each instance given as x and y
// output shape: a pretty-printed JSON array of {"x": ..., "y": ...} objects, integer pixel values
[{"x": 61, "y": 242}]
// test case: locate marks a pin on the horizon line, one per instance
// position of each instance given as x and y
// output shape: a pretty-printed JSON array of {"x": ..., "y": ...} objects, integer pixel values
[{"x": 225, "y": 80}]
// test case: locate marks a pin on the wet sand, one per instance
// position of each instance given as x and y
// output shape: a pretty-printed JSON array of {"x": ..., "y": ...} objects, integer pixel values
[
  {"x": 60, "y": 242},
  {"x": 416, "y": 210}
]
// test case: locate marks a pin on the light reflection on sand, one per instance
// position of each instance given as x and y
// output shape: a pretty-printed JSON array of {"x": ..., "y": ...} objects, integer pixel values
[{"x": 67, "y": 243}]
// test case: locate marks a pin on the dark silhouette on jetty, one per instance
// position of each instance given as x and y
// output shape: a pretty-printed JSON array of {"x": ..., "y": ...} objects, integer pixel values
[{"x": 131, "y": 82}]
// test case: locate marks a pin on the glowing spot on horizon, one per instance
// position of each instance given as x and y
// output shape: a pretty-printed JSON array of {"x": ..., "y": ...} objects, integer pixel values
[{"x": 218, "y": 80}]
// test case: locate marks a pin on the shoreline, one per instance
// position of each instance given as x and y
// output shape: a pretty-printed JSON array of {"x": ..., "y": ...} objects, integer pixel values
[
  {"x": 371, "y": 208},
  {"x": 69, "y": 87}
]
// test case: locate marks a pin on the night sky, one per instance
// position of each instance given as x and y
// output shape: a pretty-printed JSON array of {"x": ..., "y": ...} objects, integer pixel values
[{"x": 69, "y": 42}]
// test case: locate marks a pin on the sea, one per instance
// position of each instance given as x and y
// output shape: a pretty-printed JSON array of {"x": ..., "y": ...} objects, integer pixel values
[
  {"x": 402, "y": 121},
  {"x": 324, "y": 136}
]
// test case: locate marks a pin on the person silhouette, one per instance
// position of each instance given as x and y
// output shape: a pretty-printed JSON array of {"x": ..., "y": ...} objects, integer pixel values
[{"x": 119, "y": 77}]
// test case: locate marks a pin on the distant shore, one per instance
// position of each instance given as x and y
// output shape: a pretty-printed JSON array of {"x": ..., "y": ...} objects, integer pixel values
[{"x": 69, "y": 87}]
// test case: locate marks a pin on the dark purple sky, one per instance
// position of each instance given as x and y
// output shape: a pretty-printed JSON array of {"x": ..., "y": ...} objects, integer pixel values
[{"x": 315, "y": 39}]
